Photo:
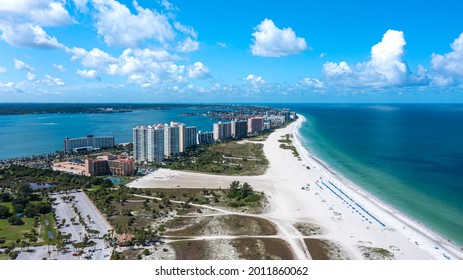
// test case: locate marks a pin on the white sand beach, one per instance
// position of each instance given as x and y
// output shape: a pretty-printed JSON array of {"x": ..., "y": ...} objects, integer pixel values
[{"x": 348, "y": 215}]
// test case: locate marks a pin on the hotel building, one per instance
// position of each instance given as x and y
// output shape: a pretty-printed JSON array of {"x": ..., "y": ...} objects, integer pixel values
[
  {"x": 109, "y": 165},
  {"x": 89, "y": 142}
]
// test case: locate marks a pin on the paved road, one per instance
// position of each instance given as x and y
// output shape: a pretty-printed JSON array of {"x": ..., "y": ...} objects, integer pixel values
[{"x": 64, "y": 211}]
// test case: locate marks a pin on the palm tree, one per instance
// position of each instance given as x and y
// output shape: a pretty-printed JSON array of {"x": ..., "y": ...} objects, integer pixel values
[
  {"x": 23, "y": 245},
  {"x": 33, "y": 239}
]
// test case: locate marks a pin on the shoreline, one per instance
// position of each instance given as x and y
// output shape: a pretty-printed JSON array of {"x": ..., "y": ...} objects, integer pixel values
[
  {"x": 409, "y": 221},
  {"x": 349, "y": 216}
]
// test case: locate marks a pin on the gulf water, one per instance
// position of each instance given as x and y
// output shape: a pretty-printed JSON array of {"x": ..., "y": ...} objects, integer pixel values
[{"x": 410, "y": 156}]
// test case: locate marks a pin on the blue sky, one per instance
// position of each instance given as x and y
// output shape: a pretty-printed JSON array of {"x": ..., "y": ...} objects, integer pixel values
[{"x": 230, "y": 51}]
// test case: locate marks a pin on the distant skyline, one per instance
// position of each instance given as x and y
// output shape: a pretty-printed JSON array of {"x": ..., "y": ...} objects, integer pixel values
[{"x": 231, "y": 51}]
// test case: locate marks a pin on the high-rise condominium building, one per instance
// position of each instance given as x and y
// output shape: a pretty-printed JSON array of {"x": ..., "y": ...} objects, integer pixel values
[
  {"x": 155, "y": 137},
  {"x": 140, "y": 145},
  {"x": 148, "y": 143},
  {"x": 181, "y": 136},
  {"x": 88, "y": 143},
  {"x": 222, "y": 131},
  {"x": 190, "y": 136},
  {"x": 255, "y": 124},
  {"x": 171, "y": 139},
  {"x": 239, "y": 129},
  {"x": 186, "y": 136},
  {"x": 204, "y": 138},
  {"x": 286, "y": 113}
]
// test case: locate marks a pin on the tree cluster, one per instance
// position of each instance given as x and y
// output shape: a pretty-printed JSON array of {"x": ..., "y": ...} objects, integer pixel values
[{"x": 242, "y": 194}]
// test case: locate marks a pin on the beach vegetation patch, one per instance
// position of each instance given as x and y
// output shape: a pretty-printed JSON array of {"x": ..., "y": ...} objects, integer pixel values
[
  {"x": 375, "y": 253},
  {"x": 229, "y": 158},
  {"x": 308, "y": 229},
  {"x": 242, "y": 195},
  {"x": 262, "y": 249},
  {"x": 322, "y": 249}
]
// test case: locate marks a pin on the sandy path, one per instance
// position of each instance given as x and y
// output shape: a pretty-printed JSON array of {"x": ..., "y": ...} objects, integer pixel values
[{"x": 293, "y": 238}]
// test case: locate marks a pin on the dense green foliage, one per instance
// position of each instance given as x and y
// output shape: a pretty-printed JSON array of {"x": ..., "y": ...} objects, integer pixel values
[
  {"x": 14, "y": 177},
  {"x": 103, "y": 197},
  {"x": 4, "y": 212},
  {"x": 242, "y": 195},
  {"x": 15, "y": 221},
  {"x": 228, "y": 158}
]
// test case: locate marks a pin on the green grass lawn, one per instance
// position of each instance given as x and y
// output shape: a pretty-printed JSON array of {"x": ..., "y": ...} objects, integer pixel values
[
  {"x": 8, "y": 204},
  {"x": 11, "y": 233},
  {"x": 46, "y": 228}
]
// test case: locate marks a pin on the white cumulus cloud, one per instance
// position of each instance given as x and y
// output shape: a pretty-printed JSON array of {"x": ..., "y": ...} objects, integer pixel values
[
  {"x": 188, "y": 45},
  {"x": 42, "y": 12},
  {"x": 198, "y": 71},
  {"x": 168, "y": 6},
  {"x": 89, "y": 74},
  {"x": 21, "y": 65},
  {"x": 28, "y": 35},
  {"x": 188, "y": 30},
  {"x": 385, "y": 67},
  {"x": 312, "y": 83},
  {"x": 94, "y": 58},
  {"x": 53, "y": 81},
  {"x": 22, "y": 22},
  {"x": 59, "y": 67},
  {"x": 7, "y": 87},
  {"x": 30, "y": 76},
  {"x": 255, "y": 80},
  {"x": 120, "y": 27},
  {"x": 449, "y": 67},
  {"x": 270, "y": 41},
  {"x": 332, "y": 69},
  {"x": 2, "y": 70}
]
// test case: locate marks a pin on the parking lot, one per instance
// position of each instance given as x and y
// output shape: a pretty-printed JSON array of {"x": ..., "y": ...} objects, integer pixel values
[{"x": 64, "y": 210}]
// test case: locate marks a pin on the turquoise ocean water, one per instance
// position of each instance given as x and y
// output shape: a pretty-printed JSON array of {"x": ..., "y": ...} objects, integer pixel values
[{"x": 410, "y": 156}]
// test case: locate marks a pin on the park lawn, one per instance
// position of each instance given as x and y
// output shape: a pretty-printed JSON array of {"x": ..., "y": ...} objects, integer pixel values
[
  {"x": 93, "y": 188},
  {"x": 46, "y": 228},
  {"x": 11, "y": 233},
  {"x": 8, "y": 204}
]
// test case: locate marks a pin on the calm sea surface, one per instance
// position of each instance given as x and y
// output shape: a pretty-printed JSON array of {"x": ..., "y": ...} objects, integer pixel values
[
  {"x": 25, "y": 135},
  {"x": 410, "y": 156}
]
